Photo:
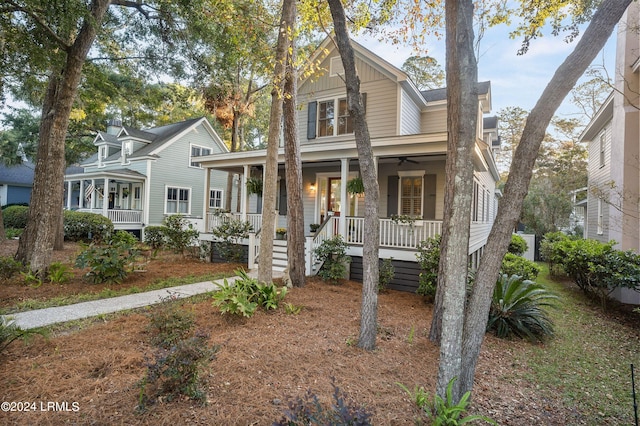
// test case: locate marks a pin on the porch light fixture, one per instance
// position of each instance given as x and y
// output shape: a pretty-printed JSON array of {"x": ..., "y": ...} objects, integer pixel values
[{"x": 312, "y": 187}]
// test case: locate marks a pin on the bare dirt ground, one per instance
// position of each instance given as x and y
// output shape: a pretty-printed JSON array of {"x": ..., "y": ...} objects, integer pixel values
[{"x": 262, "y": 362}]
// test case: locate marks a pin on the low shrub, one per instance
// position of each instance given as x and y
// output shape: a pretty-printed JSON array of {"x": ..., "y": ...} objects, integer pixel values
[
  {"x": 517, "y": 309},
  {"x": 246, "y": 294},
  {"x": 307, "y": 410},
  {"x": 177, "y": 371},
  {"x": 551, "y": 250},
  {"x": 169, "y": 324},
  {"x": 59, "y": 273},
  {"x": 154, "y": 236},
  {"x": 516, "y": 265},
  {"x": 386, "y": 274},
  {"x": 10, "y": 332},
  {"x": 13, "y": 232},
  {"x": 83, "y": 226},
  {"x": 179, "y": 233},
  {"x": 228, "y": 236},
  {"x": 333, "y": 253},
  {"x": 15, "y": 216},
  {"x": 428, "y": 257},
  {"x": 107, "y": 264},
  {"x": 518, "y": 245},
  {"x": 10, "y": 267}
]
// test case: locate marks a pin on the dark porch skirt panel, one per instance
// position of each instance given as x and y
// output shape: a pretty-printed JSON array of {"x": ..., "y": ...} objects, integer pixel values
[
  {"x": 406, "y": 278},
  {"x": 216, "y": 258}
]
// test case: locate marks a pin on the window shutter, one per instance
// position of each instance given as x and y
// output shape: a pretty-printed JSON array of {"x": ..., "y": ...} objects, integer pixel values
[
  {"x": 283, "y": 197},
  {"x": 312, "y": 111},
  {"x": 392, "y": 195}
]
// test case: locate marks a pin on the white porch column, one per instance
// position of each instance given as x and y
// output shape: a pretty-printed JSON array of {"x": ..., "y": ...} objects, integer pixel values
[
  {"x": 243, "y": 193},
  {"x": 344, "y": 201},
  {"x": 69, "y": 188},
  {"x": 105, "y": 198},
  {"x": 207, "y": 196},
  {"x": 93, "y": 194}
]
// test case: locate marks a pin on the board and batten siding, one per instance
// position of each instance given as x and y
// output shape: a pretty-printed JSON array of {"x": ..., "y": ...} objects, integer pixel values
[
  {"x": 409, "y": 115},
  {"x": 599, "y": 176}
]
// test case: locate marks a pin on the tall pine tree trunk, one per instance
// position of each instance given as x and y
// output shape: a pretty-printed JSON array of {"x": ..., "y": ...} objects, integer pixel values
[
  {"x": 265, "y": 256},
  {"x": 370, "y": 249},
  {"x": 36, "y": 243},
  {"x": 462, "y": 113},
  {"x": 593, "y": 40},
  {"x": 293, "y": 168}
]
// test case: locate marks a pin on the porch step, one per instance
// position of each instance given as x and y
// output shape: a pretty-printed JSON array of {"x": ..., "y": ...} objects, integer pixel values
[{"x": 280, "y": 261}]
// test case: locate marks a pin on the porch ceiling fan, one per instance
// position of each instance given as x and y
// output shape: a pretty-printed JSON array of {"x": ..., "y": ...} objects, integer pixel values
[{"x": 406, "y": 159}]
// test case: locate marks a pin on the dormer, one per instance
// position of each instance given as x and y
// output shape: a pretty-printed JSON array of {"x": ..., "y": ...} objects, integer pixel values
[{"x": 108, "y": 144}]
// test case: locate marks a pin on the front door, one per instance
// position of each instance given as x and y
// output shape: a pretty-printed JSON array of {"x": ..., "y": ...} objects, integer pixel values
[{"x": 334, "y": 201}]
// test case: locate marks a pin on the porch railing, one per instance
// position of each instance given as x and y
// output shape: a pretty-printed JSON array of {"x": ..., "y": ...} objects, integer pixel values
[
  {"x": 216, "y": 219},
  {"x": 393, "y": 234},
  {"x": 118, "y": 215}
]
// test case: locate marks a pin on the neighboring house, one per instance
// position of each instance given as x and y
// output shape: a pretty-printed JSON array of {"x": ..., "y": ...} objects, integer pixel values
[
  {"x": 16, "y": 183},
  {"x": 409, "y": 139},
  {"x": 613, "y": 136},
  {"x": 138, "y": 177}
]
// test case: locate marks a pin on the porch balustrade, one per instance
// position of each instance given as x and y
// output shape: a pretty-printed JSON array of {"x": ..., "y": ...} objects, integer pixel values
[
  {"x": 394, "y": 234},
  {"x": 118, "y": 215}
]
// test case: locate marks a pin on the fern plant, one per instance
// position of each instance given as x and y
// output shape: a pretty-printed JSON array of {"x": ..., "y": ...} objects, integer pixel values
[{"x": 517, "y": 309}]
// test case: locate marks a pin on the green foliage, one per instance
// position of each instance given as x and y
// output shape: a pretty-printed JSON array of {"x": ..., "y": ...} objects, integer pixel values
[
  {"x": 107, "y": 264},
  {"x": 419, "y": 396},
  {"x": 10, "y": 267},
  {"x": 82, "y": 226},
  {"x": 228, "y": 236},
  {"x": 254, "y": 186},
  {"x": 428, "y": 257},
  {"x": 517, "y": 309},
  {"x": 169, "y": 324},
  {"x": 31, "y": 278},
  {"x": 15, "y": 216},
  {"x": 59, "y": 273},
  {"x": 355, "y": 186},
  {"x": 518, "y": 245},
  {"x": 177, "y": 370},
  {"x": 291, "y": 309},
  {"x": 11, "y": 233},
  {"x": 516, "y": 265},
  {"x": 552, "y": 252},
  {"x": 154, "y": 236},
  {"x": 307, "y": 410},
  {"x": 386, "y": 272},
  {"x": 333, "y": 252},
  {"x": 124, "y": 237},
  {"x": 10, "y": 332},
  {"x": 179, "y": 233},
  {"x": 246, "y": 294}
]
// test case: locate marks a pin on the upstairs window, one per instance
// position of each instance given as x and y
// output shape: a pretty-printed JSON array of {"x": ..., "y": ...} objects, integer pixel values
[
  {"x": 602, "y": 148},
  {"x": 198, "y": 151},
  {"x": 326, "y": 118},
  {"x": 345, "y": 122},
  {"x": 178, "y": 200},
  {"x": 323, "y": 120}
]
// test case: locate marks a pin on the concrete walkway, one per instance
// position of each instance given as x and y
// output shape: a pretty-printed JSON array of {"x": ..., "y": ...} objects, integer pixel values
[{"x": 59, "y": 314}]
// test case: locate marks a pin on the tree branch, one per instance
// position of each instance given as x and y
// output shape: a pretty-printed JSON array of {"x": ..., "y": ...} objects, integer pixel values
[
  {"x": 41, "y": 23},
  {"x": 138, "y": 4}
]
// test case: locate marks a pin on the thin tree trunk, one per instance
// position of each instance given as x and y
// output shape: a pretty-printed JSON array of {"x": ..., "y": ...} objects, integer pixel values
[
  {"x": 293, "y": 168},
  {"x": 3, "y": 235},
  {"x": 462, "y": 113},
  {"x": 37, "y": 241},
  {"x": 265, "y": 256},
  {"x": 565, "y": 78},
  {"x": 369, "y": 309}
]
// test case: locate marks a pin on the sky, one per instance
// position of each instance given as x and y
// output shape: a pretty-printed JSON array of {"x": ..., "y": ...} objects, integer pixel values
[{"x": 515, "y": 80}]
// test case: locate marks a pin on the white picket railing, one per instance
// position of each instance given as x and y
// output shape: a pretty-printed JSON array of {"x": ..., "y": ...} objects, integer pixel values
[
  {"x": 216, "y": 219},
  {"x": 394, "y": 234},
  {"x": 118, "y": 216}
]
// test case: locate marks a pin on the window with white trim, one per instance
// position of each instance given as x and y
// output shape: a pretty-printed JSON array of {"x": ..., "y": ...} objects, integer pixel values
[
  {"x": 198, "y": 151},
  {"x": 603, "y": 141},
  {"x": 600, "y": 230},
  {"x": 103, "y": 153},
  {"x": 178, "y": 200},
  {"x": 215, "y": 198},
  {"x": 326, "y": 117}
]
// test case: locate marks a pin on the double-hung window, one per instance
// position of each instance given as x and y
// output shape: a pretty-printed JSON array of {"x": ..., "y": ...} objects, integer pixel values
[
  {"x": 215, "y": 198},
  {"x": 197, "y": 151},
  {"x": 178, "y": 200},
  {"x": 411, "y": 189},
  {"x": 326, "y": 117}
]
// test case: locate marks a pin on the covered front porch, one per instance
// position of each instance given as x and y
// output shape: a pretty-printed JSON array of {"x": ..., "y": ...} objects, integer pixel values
[{"x": 116, "y": 194}]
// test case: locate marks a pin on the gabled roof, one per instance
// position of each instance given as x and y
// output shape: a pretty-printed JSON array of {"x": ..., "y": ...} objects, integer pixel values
[
  {"x": 602, "y": 117},
  {"x": 143, "y": 135},
  {"x": 106, "y": 137},
  {"x": 435, "y": 95},
  {"x": 20, "y": 174},
  {"x": 163, "y": 135}
]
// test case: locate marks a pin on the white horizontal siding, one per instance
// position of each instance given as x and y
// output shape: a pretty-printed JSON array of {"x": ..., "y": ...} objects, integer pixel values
[
  {"x": 599, "y": 177},
  {"x": 409, "y": 116}
]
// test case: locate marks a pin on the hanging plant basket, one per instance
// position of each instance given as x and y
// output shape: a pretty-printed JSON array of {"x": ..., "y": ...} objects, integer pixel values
[
  {"x": 254, "y": 186},
  {"x": 355, "y": 186}
]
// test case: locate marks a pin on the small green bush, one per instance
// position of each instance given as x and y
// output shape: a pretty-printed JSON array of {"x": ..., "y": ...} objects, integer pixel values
[
  {"x": 307, "y": 410},
  {"x": 107, "y": 264},
  {"x": 10, "y": 267},
  {"x": 333, "y": 253},
  {"x": 517, "y": 265},
  {"x": 428, "y": 257},
  {"x": 169, "y": 324},
  {"x": 386, "y": 273},
  {"x": 154, "y": 236},
  {"x": 179, "y": 233},
  {"x": 59, "y": 273},
  {"x": 517, "y": 309},
  {"x": 518, "y": 245},
  {"x": 125, "y": 237},
  {"x": 10, "y": 332},
  {"x": 551, "y": 250},
  {"x": 246, "y": 294},
  {"x": 83, "y": 226},
  {"x": 228, "y": 236},
  {"x": 13, "y": 232},
  {"x": 15, "y": 216}
]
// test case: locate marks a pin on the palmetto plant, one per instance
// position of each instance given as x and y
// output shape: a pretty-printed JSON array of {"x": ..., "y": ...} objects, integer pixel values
[{"x": 517, "y": 309}]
